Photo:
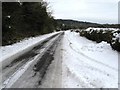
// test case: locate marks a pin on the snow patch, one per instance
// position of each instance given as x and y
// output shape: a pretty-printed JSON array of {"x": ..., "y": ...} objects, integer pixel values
[{"x": 87, "y": 64}]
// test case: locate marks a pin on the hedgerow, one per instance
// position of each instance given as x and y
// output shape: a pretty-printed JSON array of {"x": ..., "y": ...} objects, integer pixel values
[{"x": 110, "y": 36}]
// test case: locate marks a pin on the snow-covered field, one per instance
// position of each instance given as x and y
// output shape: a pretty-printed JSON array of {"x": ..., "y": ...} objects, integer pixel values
[{"x": 88, "y": 64}]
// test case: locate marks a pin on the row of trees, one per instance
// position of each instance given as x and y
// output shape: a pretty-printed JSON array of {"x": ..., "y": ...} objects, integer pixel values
[
  {"x": 25, "y": 19},
  {"x": 66, "y": 24}
]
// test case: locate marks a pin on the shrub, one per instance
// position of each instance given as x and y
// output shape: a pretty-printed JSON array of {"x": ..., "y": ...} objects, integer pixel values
[
  {"x": 115, "y": 42},
  {"x": 109, "y": 36}
]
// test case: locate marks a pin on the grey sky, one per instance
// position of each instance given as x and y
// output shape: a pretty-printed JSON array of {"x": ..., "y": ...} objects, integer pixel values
[{"x": 100, "y": 11}]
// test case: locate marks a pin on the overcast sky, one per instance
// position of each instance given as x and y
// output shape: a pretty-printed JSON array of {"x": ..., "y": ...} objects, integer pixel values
[{"x": 99, "y": 11}]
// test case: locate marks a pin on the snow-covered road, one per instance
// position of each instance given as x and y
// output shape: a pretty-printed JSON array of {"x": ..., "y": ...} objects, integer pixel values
[
  {"x": 81, "y": 63},
  {"x": 77, "y": 63},
  {"x": 17, "y": 67}
]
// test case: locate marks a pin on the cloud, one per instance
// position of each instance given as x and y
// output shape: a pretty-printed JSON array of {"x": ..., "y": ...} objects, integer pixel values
[{"x": 102, "y": 11}]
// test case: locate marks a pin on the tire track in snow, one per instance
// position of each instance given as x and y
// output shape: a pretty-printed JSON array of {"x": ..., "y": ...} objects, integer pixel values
[
  {"x": 12, "y": 79},
  {"x": 89, "y": 58},
  {"x": 16, "y": 75}
]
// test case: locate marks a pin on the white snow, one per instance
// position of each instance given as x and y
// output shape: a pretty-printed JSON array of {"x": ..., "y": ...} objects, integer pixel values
[
  {"x": 11, "y": 80},
  {"x": 114, "y": 29},
  {"x": 10, "y": 52},
  {"x": 82, "y": 63},
  {"x": 116, "y": 36},
  {"x": 87, "y": 64}
]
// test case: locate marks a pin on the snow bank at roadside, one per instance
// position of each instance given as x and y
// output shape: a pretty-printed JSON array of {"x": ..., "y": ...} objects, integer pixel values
[
  {"x": 97, "y": 51},
  {"x": 102, "y": 53},
  {"x": 10, "y": 52},
  {"x": 98, "y": 29},
  {"x": 87, "y": 64}
]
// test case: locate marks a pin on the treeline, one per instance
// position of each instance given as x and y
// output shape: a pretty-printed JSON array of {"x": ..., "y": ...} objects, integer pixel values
[
  {"x": 66, "y": 24},
  {"x": 25, "y": 19},
  {"x": 110, "y": 36}
]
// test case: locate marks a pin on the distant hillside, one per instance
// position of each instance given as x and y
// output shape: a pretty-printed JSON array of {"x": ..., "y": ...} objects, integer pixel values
[{"x": 73, "y": 24}]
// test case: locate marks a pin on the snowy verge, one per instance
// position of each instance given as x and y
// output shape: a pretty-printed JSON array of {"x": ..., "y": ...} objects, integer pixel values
[
  {"x": 101, "y": 52},
  {"x": 13, "y": 51},
  {"x": 87, "y": 64},
  {"x": 98, "y": 29}
]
